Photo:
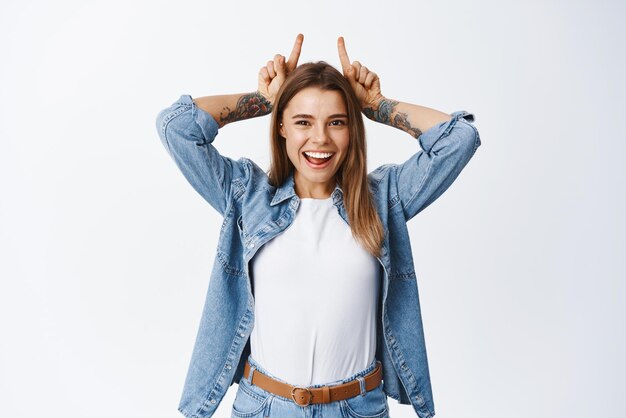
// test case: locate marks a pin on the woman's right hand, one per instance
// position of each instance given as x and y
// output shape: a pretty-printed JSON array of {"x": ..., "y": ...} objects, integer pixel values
[{"x": 273, "y": 75}]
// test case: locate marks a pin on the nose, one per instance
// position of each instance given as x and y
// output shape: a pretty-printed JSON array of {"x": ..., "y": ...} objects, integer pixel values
[{"x": 320, "y": 135}]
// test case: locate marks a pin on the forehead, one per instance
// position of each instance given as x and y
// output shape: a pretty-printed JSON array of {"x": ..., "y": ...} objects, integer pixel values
[{"x": 316, "y": 102}]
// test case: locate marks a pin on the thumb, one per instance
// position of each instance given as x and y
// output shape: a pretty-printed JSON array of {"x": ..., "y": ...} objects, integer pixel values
[{"x": 279, "y": 65}]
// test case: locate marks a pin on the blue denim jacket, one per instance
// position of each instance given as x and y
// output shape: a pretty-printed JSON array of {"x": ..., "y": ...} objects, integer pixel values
[{"x": 254, "y": 212}]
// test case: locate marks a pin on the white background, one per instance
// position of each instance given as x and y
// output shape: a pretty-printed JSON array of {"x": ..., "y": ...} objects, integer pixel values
[{"x": 106, "y": 250}]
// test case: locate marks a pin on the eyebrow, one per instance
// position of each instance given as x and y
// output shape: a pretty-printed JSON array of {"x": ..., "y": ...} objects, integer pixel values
[{"x": 305, "y": 116}]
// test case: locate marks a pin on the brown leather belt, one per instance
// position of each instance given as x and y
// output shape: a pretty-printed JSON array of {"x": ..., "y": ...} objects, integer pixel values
[{"x": 304, "y": 396}]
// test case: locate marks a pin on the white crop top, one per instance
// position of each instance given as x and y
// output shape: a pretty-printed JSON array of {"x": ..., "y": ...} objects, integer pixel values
[{"x": 316, "y": 292}]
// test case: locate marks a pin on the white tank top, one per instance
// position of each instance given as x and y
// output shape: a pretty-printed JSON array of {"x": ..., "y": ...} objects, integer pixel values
[{"x": 316, "y": 292}]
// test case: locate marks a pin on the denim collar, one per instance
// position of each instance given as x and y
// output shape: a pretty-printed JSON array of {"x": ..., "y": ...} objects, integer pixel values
[{"x": 287, "y": 190}]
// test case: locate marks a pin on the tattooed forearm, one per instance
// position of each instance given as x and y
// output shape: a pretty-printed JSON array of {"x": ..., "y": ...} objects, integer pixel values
[
  {"x": 387, "y": 108},
  {"x": 384, "y": 111},
  {"x": 248, "y": 106},
  {"x": 401, "y": 121}
]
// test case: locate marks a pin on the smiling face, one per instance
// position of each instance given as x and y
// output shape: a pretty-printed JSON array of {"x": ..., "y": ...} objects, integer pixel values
[{"x": 315, "y": 128}]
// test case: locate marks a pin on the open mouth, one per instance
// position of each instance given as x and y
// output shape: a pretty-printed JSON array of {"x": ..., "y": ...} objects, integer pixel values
[{"x": 318, "y": 158}]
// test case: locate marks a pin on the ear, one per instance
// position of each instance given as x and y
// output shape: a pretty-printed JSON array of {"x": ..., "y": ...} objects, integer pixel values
[{"x": 281, "y": 130}]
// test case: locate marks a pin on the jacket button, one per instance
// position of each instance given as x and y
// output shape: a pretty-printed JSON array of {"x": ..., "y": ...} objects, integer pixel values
[
  {"x": 213, "y": 401},
  {"x": 251, "y": 245},
  {"x": 242, "y": 334},
  {"x": 228, "y": 367}
]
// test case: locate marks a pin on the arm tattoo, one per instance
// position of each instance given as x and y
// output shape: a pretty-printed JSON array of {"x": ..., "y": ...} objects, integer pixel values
[
  {"x": 248, "y": 106},
  {"x": 401, "y": 121},
  {"x": 384, "y": 111},
  {"x": 386, "y": 108}
]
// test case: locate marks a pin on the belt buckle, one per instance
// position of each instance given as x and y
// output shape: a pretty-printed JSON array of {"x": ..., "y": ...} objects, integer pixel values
[{"x": 293, "y": 396}]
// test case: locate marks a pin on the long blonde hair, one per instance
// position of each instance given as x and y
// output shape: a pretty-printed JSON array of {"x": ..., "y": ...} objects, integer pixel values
[{"x": 351, "y": 176}]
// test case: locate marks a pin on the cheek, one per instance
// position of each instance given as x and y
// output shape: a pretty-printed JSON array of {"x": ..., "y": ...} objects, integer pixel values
[
  {"x": 342, "y": 142},
  {"x": 293, "y": 149},
  {"x": 295, "y": 141}
]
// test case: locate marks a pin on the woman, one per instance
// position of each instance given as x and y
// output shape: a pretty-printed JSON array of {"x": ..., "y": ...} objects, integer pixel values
[{"x": 312, "y": 306}]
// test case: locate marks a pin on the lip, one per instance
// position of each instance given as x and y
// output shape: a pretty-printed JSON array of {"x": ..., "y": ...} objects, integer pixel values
[{"x": 318, "y": 166}]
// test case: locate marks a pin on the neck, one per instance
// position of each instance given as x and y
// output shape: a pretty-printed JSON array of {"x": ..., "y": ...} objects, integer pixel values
[{"x": 313, "y": 190}]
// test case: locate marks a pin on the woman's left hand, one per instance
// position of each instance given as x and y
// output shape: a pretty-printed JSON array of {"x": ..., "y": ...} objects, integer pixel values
[{"x": 365, "y": 83}]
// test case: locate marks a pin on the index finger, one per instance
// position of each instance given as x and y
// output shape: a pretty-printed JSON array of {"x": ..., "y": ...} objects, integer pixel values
[
  {"x": 292, "y": 62},
  {"x": 343, "y": 55}
]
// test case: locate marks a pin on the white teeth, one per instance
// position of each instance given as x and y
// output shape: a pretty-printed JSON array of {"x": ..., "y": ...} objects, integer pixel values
[{"x": 319, "y": 154}]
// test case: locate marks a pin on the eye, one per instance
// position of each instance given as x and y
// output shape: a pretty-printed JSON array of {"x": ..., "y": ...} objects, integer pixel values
[
  {"x": 338, "y": 122},
  {"x": 303, "y": 122}
]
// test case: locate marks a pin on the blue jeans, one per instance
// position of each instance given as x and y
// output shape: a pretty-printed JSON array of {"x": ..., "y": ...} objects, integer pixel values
[{"x": 252, "y": 401}]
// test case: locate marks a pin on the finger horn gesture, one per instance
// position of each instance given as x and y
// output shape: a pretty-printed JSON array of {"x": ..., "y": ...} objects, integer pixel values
[
  {"x": 273, "y": 74},
  {"x": 365, "y": 83}
]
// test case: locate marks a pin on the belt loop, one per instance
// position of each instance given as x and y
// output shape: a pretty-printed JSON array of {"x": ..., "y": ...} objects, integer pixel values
[
  {"x": 325, "y": 394},
  {"x": 252, "y": 369},
  {"x": 361, "y": 380}
]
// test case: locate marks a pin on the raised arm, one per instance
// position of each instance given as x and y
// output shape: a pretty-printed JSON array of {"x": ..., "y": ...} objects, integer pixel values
[
  {"x": 411, "y": 118},
  {"x": 188, "y": 127},
  {"x": 233, "y": 107},
  {"x": 447, "y": 142}
]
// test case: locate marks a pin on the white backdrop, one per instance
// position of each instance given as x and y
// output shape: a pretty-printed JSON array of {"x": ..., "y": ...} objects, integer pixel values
[{"x": 106, "y": 250}]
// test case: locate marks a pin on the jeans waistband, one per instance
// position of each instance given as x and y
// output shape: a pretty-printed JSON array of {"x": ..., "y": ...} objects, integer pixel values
[{"x": 363, "y": 372}]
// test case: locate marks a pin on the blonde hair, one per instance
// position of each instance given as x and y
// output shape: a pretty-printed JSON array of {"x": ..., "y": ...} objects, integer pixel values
[{"x": 351, "y": 176}]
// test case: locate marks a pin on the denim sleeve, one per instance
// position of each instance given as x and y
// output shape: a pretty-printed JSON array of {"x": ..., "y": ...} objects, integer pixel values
[
  {"x": 187, "y": 132},
  {"x": 446, "y": 148}
]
